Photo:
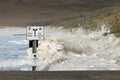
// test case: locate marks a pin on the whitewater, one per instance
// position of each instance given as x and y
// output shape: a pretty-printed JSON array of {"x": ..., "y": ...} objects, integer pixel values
[
  {"x": 61, "y": 49},
  {"x": 13, "y": 46}
]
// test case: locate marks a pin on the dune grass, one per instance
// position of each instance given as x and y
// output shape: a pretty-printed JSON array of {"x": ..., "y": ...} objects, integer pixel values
[{"x": 110, "y": 16}]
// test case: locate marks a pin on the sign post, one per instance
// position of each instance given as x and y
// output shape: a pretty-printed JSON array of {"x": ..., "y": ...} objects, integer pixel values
[
  {"x": 34, "y": 33},
  {"x": 34, "y": 51}
]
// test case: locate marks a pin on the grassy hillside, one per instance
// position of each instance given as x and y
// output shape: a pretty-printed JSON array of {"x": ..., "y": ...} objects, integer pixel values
[{"x": 109, "y": 16}]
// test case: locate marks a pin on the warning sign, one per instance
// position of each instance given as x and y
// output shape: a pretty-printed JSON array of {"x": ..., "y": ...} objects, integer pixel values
[
  {"x": 35, "y": 32},
  {"x": 34, "y": 59}
]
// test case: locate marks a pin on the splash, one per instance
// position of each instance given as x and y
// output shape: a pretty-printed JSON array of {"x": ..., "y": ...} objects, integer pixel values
[{"x": 78, "y": 49}]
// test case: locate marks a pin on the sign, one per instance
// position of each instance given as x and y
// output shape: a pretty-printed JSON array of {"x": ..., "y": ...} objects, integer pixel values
[
  {"x": 34, "y": 59},
  {"x": 35, "y": 32}
]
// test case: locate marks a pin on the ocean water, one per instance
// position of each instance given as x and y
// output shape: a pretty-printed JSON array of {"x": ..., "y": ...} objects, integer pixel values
[
  {"x": 76, "y": 49},
  {"x": 13, "y": 46}
]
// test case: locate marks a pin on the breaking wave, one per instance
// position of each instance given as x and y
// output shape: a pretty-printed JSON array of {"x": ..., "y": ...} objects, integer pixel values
[{"x": 78, "y": 49}]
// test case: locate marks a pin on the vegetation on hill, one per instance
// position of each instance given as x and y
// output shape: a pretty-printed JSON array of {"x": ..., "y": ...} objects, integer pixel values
[{"x": 109, "y": 16}]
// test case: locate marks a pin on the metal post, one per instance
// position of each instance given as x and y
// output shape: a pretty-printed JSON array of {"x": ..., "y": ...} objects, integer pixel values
[
  {"x": 34, "y": 33},
  {"x": 34, "y": 50}
]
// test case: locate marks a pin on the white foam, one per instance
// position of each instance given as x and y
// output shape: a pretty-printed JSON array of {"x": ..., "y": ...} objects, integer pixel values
[
  {"x": 5, "y": 31},
  {"x": 14, "y": 64},
  {"x": 68, "y": 50},
  {"x": 20, "y": 42},
  {"x": 78, "y": 50}
]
